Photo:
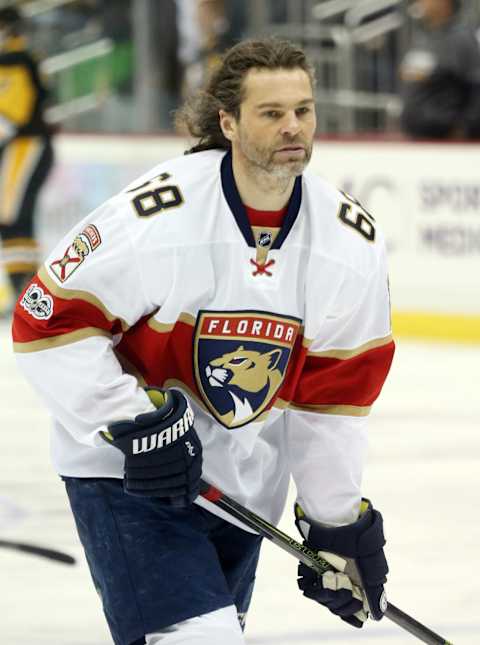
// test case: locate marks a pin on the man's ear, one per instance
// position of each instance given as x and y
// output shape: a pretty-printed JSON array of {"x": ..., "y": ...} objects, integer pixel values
[{"x": 228, "y": 124}]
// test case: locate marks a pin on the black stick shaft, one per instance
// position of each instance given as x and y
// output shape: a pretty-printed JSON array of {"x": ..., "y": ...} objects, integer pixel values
[
  {"x": 309, "y": 557},
  {"x": 32, "y": 549},
  {"x": 415, "y": 628}
]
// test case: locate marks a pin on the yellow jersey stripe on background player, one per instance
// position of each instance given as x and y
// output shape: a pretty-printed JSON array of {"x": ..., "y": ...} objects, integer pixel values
[
  {"x": 17, "y": 94},
  {"x": 18, "y": 162}
]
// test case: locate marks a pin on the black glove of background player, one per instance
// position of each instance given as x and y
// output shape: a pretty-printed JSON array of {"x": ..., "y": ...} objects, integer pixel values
[
  {"x": 358, "y": 547},
  {"x": 163, "y": 454}
]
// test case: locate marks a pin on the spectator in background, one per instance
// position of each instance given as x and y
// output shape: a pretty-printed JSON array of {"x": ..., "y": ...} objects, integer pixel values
[
  {"x": 116, "y": 111},
  {"x": 25, "y": 150},
  {"x": 222, "y": 24},
  {"x": 441, "y": 75},
  {"x": 215, "y": 26}
]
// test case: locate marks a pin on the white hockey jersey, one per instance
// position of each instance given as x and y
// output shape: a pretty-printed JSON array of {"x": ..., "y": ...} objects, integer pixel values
[{"x": 280, "y": 338}]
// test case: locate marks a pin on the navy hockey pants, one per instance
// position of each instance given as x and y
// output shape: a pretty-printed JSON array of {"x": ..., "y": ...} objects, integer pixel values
[{"x": 154, "y": 565}]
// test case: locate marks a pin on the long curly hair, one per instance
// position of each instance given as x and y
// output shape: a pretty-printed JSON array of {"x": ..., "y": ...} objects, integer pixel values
[{"x": 224, "y": 90}]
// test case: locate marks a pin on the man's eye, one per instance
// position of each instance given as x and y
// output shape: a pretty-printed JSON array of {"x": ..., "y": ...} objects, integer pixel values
[
  {"x": 272, "y": 114},
  {"x": 303, "y": 110}
]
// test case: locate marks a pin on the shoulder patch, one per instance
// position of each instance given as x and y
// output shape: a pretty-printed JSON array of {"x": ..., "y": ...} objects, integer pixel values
[
  {"x": 84, "y": 243},
  {"x": 37, "y": 303}
]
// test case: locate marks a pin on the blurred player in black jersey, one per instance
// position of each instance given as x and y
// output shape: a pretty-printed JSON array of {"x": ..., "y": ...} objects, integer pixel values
[{"x": 25, "y": 150}]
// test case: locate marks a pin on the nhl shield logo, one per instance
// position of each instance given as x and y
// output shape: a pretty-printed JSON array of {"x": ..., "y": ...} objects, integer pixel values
[{"x": 240, "y": 361}]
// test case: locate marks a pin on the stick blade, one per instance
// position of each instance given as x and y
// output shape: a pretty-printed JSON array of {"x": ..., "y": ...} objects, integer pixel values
[{"x": 43, "y": 552}]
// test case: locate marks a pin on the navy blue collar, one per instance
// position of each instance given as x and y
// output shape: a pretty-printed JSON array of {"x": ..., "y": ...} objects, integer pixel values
[{"x": 240, "y": 214}]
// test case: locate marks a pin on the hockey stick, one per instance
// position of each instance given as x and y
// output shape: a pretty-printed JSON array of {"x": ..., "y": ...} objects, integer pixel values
[
  {"x": 308, "y": 557},
  {"x": 31, "y": 549}
]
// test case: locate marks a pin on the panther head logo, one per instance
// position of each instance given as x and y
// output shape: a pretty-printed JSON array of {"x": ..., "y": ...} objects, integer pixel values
[
  {"x": 242, "y": 373},
  {"x": 240, "y": 361},
  {"x": 81, "y": 247}
]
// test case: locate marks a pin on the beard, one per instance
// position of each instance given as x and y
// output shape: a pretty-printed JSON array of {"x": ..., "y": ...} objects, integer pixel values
[{"x": 266, "y": 159}]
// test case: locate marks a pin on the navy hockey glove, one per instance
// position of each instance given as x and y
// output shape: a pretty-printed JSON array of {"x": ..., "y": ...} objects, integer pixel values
[
  {"x": 163, "y": 454},
  {"x": 357, "y": 590}
]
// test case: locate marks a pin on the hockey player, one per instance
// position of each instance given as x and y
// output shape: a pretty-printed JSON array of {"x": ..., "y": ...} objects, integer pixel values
[
  {"x": 225, "y": 316},
  {"x": 25, "y": 150}
]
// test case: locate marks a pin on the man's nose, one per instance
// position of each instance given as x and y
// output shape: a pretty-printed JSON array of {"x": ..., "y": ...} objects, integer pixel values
[{"x": 290, "y": 124}]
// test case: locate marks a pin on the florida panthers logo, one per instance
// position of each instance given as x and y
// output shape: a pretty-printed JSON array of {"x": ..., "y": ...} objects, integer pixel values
[{"x": 240, "y": 362}]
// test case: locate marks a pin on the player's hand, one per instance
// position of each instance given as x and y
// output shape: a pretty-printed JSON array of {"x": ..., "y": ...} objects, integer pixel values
[
  {"x": 163, "y": 454},
  {"x": 358, "y": 548}
]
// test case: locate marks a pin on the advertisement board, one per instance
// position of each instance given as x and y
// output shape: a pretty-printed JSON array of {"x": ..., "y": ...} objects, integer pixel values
[{"x": 426, "y": 199}]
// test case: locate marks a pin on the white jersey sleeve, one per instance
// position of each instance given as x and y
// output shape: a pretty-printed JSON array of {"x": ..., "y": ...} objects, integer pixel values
[
  {"x": 88, "y": 292},
  {"x": 345, "y": 367}
]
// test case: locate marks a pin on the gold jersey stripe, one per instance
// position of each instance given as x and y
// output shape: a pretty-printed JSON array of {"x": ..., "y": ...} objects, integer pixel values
[
  {"x": 281, "y": 403},
  {"x": 161, "y": 328},
  {"x": 188, "y": 319},
  {"x": 59, "y": 341},
  {"x": 344, "y": 354},
  {"x": 341, "y": 410},
  {"x": 164, "y": 328},
  {"x": 71, "y": 294}
]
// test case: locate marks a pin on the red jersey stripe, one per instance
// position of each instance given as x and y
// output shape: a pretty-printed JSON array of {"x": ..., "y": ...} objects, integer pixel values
[
  {"x": 310, "y": 381},
  {"x": 355, "y": 381},
  {"x": 160, "y": 355},
  {"x": 337, "y": 381},
  {"x": 71, "y": 314}
]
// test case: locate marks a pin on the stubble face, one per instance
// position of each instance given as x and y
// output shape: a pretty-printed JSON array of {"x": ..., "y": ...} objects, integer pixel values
[
  {"x": 275, "y": 159},
  {"x": 272, "y": 138}
]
